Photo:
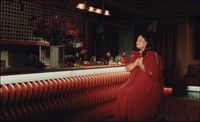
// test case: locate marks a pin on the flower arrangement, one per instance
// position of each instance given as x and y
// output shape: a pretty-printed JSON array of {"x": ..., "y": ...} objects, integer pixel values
[
  {"x": 59, "y": 30},
  {"x": 83, "y": 54}
]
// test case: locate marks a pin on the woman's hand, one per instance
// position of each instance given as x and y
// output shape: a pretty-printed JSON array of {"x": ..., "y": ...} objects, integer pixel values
[
  {"x": 139, "y": 63},
  {"x": 130, "y": 66}
]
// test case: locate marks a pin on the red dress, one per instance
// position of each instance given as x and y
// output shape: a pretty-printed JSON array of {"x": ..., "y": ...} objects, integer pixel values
[{"x": 139, "y": 97}]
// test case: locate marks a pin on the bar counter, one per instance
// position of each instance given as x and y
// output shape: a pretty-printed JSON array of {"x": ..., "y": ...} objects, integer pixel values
[
  {"x": 31, "y": 74},
  {"x": 76, "y": 94}
]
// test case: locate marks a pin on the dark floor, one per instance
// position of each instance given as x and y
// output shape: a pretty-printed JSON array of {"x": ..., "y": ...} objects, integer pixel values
[{"x": 179, "y": 108}]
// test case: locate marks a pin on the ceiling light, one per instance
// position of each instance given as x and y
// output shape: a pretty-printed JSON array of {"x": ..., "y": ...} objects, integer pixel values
[
  {"x": 91, "y": 9},
  {"x": 98, "y": 11},
  {"x": 106, "y": 13},
  {"x": 84, "y": 6},
  {"x": 81, "y": 6}
]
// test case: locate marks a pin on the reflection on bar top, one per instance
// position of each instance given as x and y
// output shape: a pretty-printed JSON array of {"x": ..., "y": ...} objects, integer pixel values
[
  {"x": 28, "y": 70},
  {"x": 54, "y": 74}
]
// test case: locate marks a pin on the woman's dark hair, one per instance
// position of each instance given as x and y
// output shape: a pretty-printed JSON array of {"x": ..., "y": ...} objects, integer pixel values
[{"x": 150, "y": 44}]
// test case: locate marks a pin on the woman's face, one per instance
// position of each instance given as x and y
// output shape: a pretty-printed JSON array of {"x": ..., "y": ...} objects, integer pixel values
[{"x": 141, "y": 43}]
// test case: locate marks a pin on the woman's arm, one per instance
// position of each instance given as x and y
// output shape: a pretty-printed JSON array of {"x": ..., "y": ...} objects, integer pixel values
[
  {"x": 131, "y": 66},
  {"x": 133, "y": 62},
  {"x": 137, "y": 62},
  {"x": 140, "y": 63}
]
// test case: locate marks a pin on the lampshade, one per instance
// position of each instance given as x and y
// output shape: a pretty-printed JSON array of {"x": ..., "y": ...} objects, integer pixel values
[
  {"x": 98, "y": 11},
  {"x": 107, "y": 13},
  {"x": 91, "y": 9},
  {"x": 81, "y": 6}
]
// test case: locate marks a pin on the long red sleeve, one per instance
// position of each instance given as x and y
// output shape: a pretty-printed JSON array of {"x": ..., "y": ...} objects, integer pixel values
[{"x": 151, "y": 65}]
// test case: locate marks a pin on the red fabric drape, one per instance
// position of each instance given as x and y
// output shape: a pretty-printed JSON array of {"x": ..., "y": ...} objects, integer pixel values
[{"x": 139, "y": 97}]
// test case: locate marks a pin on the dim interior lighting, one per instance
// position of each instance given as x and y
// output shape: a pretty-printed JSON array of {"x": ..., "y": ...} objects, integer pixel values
[
  {"x": 107, "y": 13},
  {"x": 91, "y": 9},
  {"x": 81, "y": 6},
  {"x": 98, "y": 11},
  {"x": 84, "y": 6}
]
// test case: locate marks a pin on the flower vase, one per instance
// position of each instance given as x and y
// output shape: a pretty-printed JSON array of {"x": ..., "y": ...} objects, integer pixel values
[{"x": 54, "y": 55}]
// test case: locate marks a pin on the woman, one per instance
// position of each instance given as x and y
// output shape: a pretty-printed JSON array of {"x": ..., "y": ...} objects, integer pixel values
[{"x": 139, "y": 98}]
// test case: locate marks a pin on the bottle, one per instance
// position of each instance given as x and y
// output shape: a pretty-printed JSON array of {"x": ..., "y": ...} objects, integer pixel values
[{"x": 107, "y": 58}]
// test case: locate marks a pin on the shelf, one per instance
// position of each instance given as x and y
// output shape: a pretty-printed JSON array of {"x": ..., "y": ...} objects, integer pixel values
[{"x": 24, "y": 42}]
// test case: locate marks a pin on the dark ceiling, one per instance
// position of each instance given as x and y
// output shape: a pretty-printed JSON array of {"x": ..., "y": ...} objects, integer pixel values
[
  {"x": 140, "y": 8},
  {"x": 158, "y": 8}
]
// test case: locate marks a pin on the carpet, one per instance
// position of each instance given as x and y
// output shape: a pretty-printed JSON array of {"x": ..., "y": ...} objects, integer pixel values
[{"x": 181, "y": 108}]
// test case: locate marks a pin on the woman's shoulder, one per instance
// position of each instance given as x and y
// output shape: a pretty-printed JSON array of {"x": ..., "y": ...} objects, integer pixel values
[{"x": 152, "y": 52}]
